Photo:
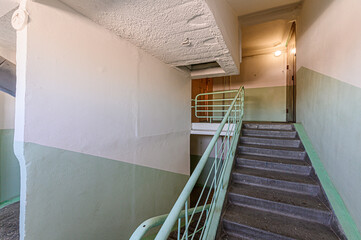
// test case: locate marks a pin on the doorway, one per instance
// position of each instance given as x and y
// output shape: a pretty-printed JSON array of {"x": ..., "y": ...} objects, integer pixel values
[{"x": 291, "y": 76}]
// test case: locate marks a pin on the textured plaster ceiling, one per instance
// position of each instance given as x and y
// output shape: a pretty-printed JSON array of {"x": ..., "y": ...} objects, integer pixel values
[
  {"x": 7, "y": 5},
  {"x": 244, "y": 7},
  {"x": 7, "y": 37},
  {"x": 178, "y": 32}
]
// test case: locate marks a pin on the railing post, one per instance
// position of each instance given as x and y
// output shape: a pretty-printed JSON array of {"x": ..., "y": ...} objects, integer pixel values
[{"x": 186, "y": 219}]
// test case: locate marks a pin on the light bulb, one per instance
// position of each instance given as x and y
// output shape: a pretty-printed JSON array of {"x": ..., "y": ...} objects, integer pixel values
[{"x": 278, "y": 53}]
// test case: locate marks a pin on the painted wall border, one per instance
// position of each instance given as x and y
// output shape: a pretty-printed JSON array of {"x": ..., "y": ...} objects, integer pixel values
[
  {"x": 348, "y": 225},
  {"x": 8, "y": 202}
]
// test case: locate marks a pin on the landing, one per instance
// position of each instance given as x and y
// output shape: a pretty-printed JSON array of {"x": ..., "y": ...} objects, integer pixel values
[{"x": 9, "y": 222}]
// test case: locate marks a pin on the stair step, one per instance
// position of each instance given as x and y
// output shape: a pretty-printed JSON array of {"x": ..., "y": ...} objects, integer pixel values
[
  {"x": 282, "y": 142},
  {"x": 258, "y": 224},
  {"x": 269, "y": 126},
  {"x": 269, "y": 133},
  {"x": 276, "y": 180},
  {"x": 272, "y": 151},
  {"x": 291, "y": 204},
  {"x": 274, "y": 164}
]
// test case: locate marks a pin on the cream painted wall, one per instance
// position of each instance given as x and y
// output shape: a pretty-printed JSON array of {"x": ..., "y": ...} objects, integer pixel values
[
  {"x": 7, "y": 111},
  {"x": 89, "y": 91},
  {"x": 261, "y": 71},
  {"x": 258, "y": 71},
  {"x": 329, "y": 39}
]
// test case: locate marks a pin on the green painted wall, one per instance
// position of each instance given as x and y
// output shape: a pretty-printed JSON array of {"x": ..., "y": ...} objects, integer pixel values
[
  {"x": 338, "y": 206},
  {"x": 78, "y": 196},
  {"x": 330, "y": 111},
  {"x": 265, "y": 104},
  {"x": 9, "y": 167}
]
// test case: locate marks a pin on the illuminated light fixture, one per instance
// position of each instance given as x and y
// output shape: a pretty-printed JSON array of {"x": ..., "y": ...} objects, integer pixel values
[
  {"x": 278, "y": 53},
  {"x": 293, "y": 51}
]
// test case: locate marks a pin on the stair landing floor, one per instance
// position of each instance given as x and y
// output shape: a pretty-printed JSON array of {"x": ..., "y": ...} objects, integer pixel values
[{"x": 9, "y": 222}]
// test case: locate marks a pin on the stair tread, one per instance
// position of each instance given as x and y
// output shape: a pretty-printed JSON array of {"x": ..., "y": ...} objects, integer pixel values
[
  {"x": 255, "y": 125},
  {"x": 276, "y": 175},
  {"x": 273, "y": 147},
  {"x": 280, "y": 196},
  {"x": 278, "y": 224},
  {"x": 273, "y": 159},
  {"x": 271, "y": 138},
  {"x": 270, "y": 130}
]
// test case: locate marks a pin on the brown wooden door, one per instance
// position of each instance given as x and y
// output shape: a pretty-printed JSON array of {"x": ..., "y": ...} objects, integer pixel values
[
  {"x": 291, "y": 77},
  {"x": 204, "y": 85}
]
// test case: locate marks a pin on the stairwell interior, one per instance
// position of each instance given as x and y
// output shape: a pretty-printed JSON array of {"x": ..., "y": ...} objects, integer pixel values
[{"x": 274, "y": 192}]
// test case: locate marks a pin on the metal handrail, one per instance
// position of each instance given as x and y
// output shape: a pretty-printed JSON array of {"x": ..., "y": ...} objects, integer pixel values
[
  {"x": 216, "y": 181},
  {"x": 150, "y": 223},
  {"x": 214, "y": 107},
  {"x": 183, "y": 198}
]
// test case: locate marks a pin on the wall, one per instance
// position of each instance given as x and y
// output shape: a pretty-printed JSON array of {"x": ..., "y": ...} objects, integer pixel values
[
  {"x": 329, "y": 91},
  {"x": 102, "y": 129},
  {"x": 264, "y": 79},
  {"x": 9, "y": 166}
]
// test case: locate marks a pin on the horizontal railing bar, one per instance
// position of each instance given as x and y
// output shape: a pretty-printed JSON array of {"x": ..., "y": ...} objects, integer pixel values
[
  {"x": 210, "y": 105},
  {"x": 215, "y": 100},
  {"x": 159, "y": 220},
  {"x": 218, "y": 92}
]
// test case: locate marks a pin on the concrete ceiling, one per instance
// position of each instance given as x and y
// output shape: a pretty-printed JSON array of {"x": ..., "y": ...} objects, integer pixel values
[
  {"x": 177, "y": 32},
  {"x": 244, "y": 7}
]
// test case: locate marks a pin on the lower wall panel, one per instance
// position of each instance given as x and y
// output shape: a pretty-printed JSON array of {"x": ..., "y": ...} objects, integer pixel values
[
  {"x": 9, "y": 167},
  {"x": 265, "y": 104},
  {"x": 329, "y": 110},
  {"x": 78, "y": 196}
]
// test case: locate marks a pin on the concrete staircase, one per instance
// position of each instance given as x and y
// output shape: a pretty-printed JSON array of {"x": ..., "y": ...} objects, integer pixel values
[{"x": 274, "y": 193}]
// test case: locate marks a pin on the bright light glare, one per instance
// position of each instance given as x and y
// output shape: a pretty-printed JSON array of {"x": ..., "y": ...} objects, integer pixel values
[
  {"x": 278, "y": 53},
  {"x": 293, "y": 51}
]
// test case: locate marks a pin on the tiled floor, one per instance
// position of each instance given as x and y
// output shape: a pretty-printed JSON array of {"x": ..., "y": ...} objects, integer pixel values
[{"x": 9, "y": 222}]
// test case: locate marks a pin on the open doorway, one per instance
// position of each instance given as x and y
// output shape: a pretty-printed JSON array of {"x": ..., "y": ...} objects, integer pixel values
[{"x": 291, "y": 76}]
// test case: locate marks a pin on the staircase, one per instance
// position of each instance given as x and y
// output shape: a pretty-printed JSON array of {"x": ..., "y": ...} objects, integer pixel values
[{"x": 274, "y": 193}]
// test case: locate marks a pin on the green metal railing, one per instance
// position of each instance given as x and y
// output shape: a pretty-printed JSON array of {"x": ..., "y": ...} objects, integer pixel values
[
  {"x": 205, "y": 215},
  {"x": 214, "y": 105}
]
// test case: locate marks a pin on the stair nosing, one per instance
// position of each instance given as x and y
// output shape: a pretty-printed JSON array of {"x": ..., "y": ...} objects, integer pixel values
[
  {"x": 257, "y": 229},
  {"x": 300, "y": 175},
  {"x": 318, "y": 211},
  {"x": 271, "y": 147}
]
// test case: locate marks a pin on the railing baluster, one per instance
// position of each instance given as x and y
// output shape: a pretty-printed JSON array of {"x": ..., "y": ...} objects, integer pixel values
[
  {"x": 179, "y": 228},
  {"x": 223, "y": 157}
]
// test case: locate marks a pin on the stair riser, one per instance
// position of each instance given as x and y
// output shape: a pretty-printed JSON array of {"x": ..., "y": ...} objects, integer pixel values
[
  {"x": 288, "y": 168},
  {"x": 268, "y": 126},
  {"x": 272, "y": 152},
  {"x": 302, "y": 188},
  {"x": 247, "y": 232},
  {"x": 265, "y": 133},
  {"x": 270, "y": 142},
  {"x": 308, "y": 214}
]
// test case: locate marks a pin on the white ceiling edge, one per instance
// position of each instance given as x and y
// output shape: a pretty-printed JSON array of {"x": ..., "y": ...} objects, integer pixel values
[
  {"x": 179, "y": 33},
  {"x": 288, "y": 12},
  {"x": 209, "y": 72}
]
